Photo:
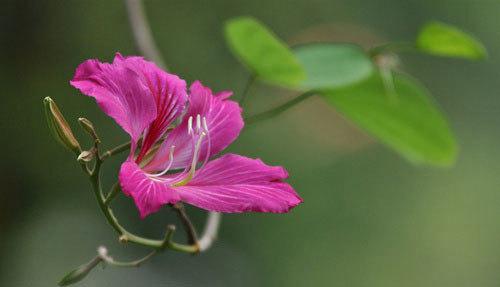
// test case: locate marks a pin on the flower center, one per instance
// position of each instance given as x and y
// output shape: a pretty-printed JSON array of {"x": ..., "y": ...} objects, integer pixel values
[{"x": 200, "y": 143}]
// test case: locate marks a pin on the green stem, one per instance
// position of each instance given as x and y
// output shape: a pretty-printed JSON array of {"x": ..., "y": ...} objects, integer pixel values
[
  {"x": 112, "y": 194},
  {"x": 168, "y": 236},
  {"x": 392, "y": 47},
  {"x": 186, "y": 221},
  {"x": 279, "y": 109},
  {"x": 246, "y": 89},
  {"x": 116, "y": 150},
  {"x": 125, "y": 235}
]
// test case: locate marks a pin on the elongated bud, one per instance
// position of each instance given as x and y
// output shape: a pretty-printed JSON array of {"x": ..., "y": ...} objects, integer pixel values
[
  {"x": 89, "y": 128},
  {"x": 80, "y": 272},
  {"x": 59, "y": 126}
]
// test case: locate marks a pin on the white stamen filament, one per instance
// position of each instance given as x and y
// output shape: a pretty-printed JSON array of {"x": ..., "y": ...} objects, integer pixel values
[
  {"x": 196, "y": 153},
  {"x": 187, "y": 175},
  {"x": 198, "y": 135},
  {"x": 171, "y": 160},
  {"x": 209, "y": 142}
]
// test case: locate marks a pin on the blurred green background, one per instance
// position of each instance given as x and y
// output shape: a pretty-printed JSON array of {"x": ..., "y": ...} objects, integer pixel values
[{"x": 369, "y": 217}]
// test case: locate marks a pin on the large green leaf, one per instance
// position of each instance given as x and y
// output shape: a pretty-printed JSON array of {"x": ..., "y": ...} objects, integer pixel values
[
  {"x": 407, "y": 121},
  {"x": 329, "y": 65},
  {"x": 262, "y": 52},
  {"x": 445, "y": 40}
]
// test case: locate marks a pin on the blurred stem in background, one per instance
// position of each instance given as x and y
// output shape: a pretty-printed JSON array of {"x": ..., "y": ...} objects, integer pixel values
[
  {"x": 279, "y": 109},
  {"x": 146, "y": 45},
  {"x": 141, "y": 31},
  {"x": 246, "y": 89}
]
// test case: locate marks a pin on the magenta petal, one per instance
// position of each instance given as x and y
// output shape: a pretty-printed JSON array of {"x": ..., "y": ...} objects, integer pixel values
[
  {"x": 234, "y": 183},
  {"x": 149, "y": 195},
  {"x": 224, "y": 95},
  {"x": 224, "y": 123},
  {"x": 129, "y": 90}
]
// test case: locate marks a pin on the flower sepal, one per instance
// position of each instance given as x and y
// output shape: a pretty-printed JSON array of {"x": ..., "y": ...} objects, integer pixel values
[
  {"x": 87, "y": 155},
  {"x": 88, "y": 126},
  {"x": 59, "y": 126}
]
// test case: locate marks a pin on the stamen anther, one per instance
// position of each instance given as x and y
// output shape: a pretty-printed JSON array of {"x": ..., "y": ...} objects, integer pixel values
[
  {"x": 205, "y": 126},
  {"x": 198, "y": 123},
  {"x": 190, "y": 125}
]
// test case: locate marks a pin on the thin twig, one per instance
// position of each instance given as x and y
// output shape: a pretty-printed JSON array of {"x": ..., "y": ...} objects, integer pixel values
[
  {"x": 246, "y": 89},
  {"x": 186, "y": 221},
  {"x": 116, "y": 150},
  {"x": 279, "y": 109},
  {"x": 142, "y": 32},
  {"x": 112, "y": 194},
  {"x": 125, "y": 235},
  {"x": 392, "y": 47},
  {"x": 103, "y": 254},
  {"x": 167, "y": 240}
]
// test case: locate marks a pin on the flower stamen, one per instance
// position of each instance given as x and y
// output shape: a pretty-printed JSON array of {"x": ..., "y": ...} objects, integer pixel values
[
  {"x": 190, "y": 125},
  {"x": 171, "y": 160},
  {"x": 209, "y": 142},
  {"x": 198, "y": 134},
  {"x": 198, "y": 123}
]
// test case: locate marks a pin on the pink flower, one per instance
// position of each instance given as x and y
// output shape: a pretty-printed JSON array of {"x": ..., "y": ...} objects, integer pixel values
[{"x": 147, "y": 102}]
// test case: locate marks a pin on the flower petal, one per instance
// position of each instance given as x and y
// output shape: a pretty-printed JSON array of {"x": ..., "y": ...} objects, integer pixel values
[
  {"x": 234, "y": 183},
  {"x": 149, "y": 195},
  {"x": 132, "y": 91},
  {"x": 224, "y": 122}
]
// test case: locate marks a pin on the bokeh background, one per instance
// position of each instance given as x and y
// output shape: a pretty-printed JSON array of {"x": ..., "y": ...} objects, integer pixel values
[{"x": 369, "y": 217}]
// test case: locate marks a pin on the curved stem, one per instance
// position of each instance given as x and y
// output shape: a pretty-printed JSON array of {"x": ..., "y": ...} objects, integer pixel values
[
  {"x": 142, "y": 32},
  {"x": 125, "y": 235},
  {"x": 210, "y": 232},
  {"x": 135, "y": 263},
  {"x": 204, "y": 243},
  {"x": 112, "y": 194},
  {"x": 244, "y": 93},
  {"x": 279, "y": 109},
  {"x": 186, "y": 221}
]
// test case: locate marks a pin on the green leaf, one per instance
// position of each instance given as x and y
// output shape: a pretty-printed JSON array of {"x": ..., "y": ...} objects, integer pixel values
[
  {"x": 445, "y": 40},
  {"x": 330, "y": 65},
  {"x": 262, "y": 52},
  {"x": 407, "y": 121}
]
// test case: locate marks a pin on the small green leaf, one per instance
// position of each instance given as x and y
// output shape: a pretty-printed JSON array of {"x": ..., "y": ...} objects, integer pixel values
[
  {"x": 330, "y": 65},
  {"x": 410, "y": 123},
  {"x": 262, "y": 52},
  {"x": 445, "y": 40}
]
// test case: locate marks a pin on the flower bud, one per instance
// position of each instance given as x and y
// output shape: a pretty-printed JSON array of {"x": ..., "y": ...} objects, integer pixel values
[
  {"x": 86, "y": 155},
  {"x": 59, "y": 126},
  {"x": 89, "y": 128},
  {"x": 80, "y": 272}
]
